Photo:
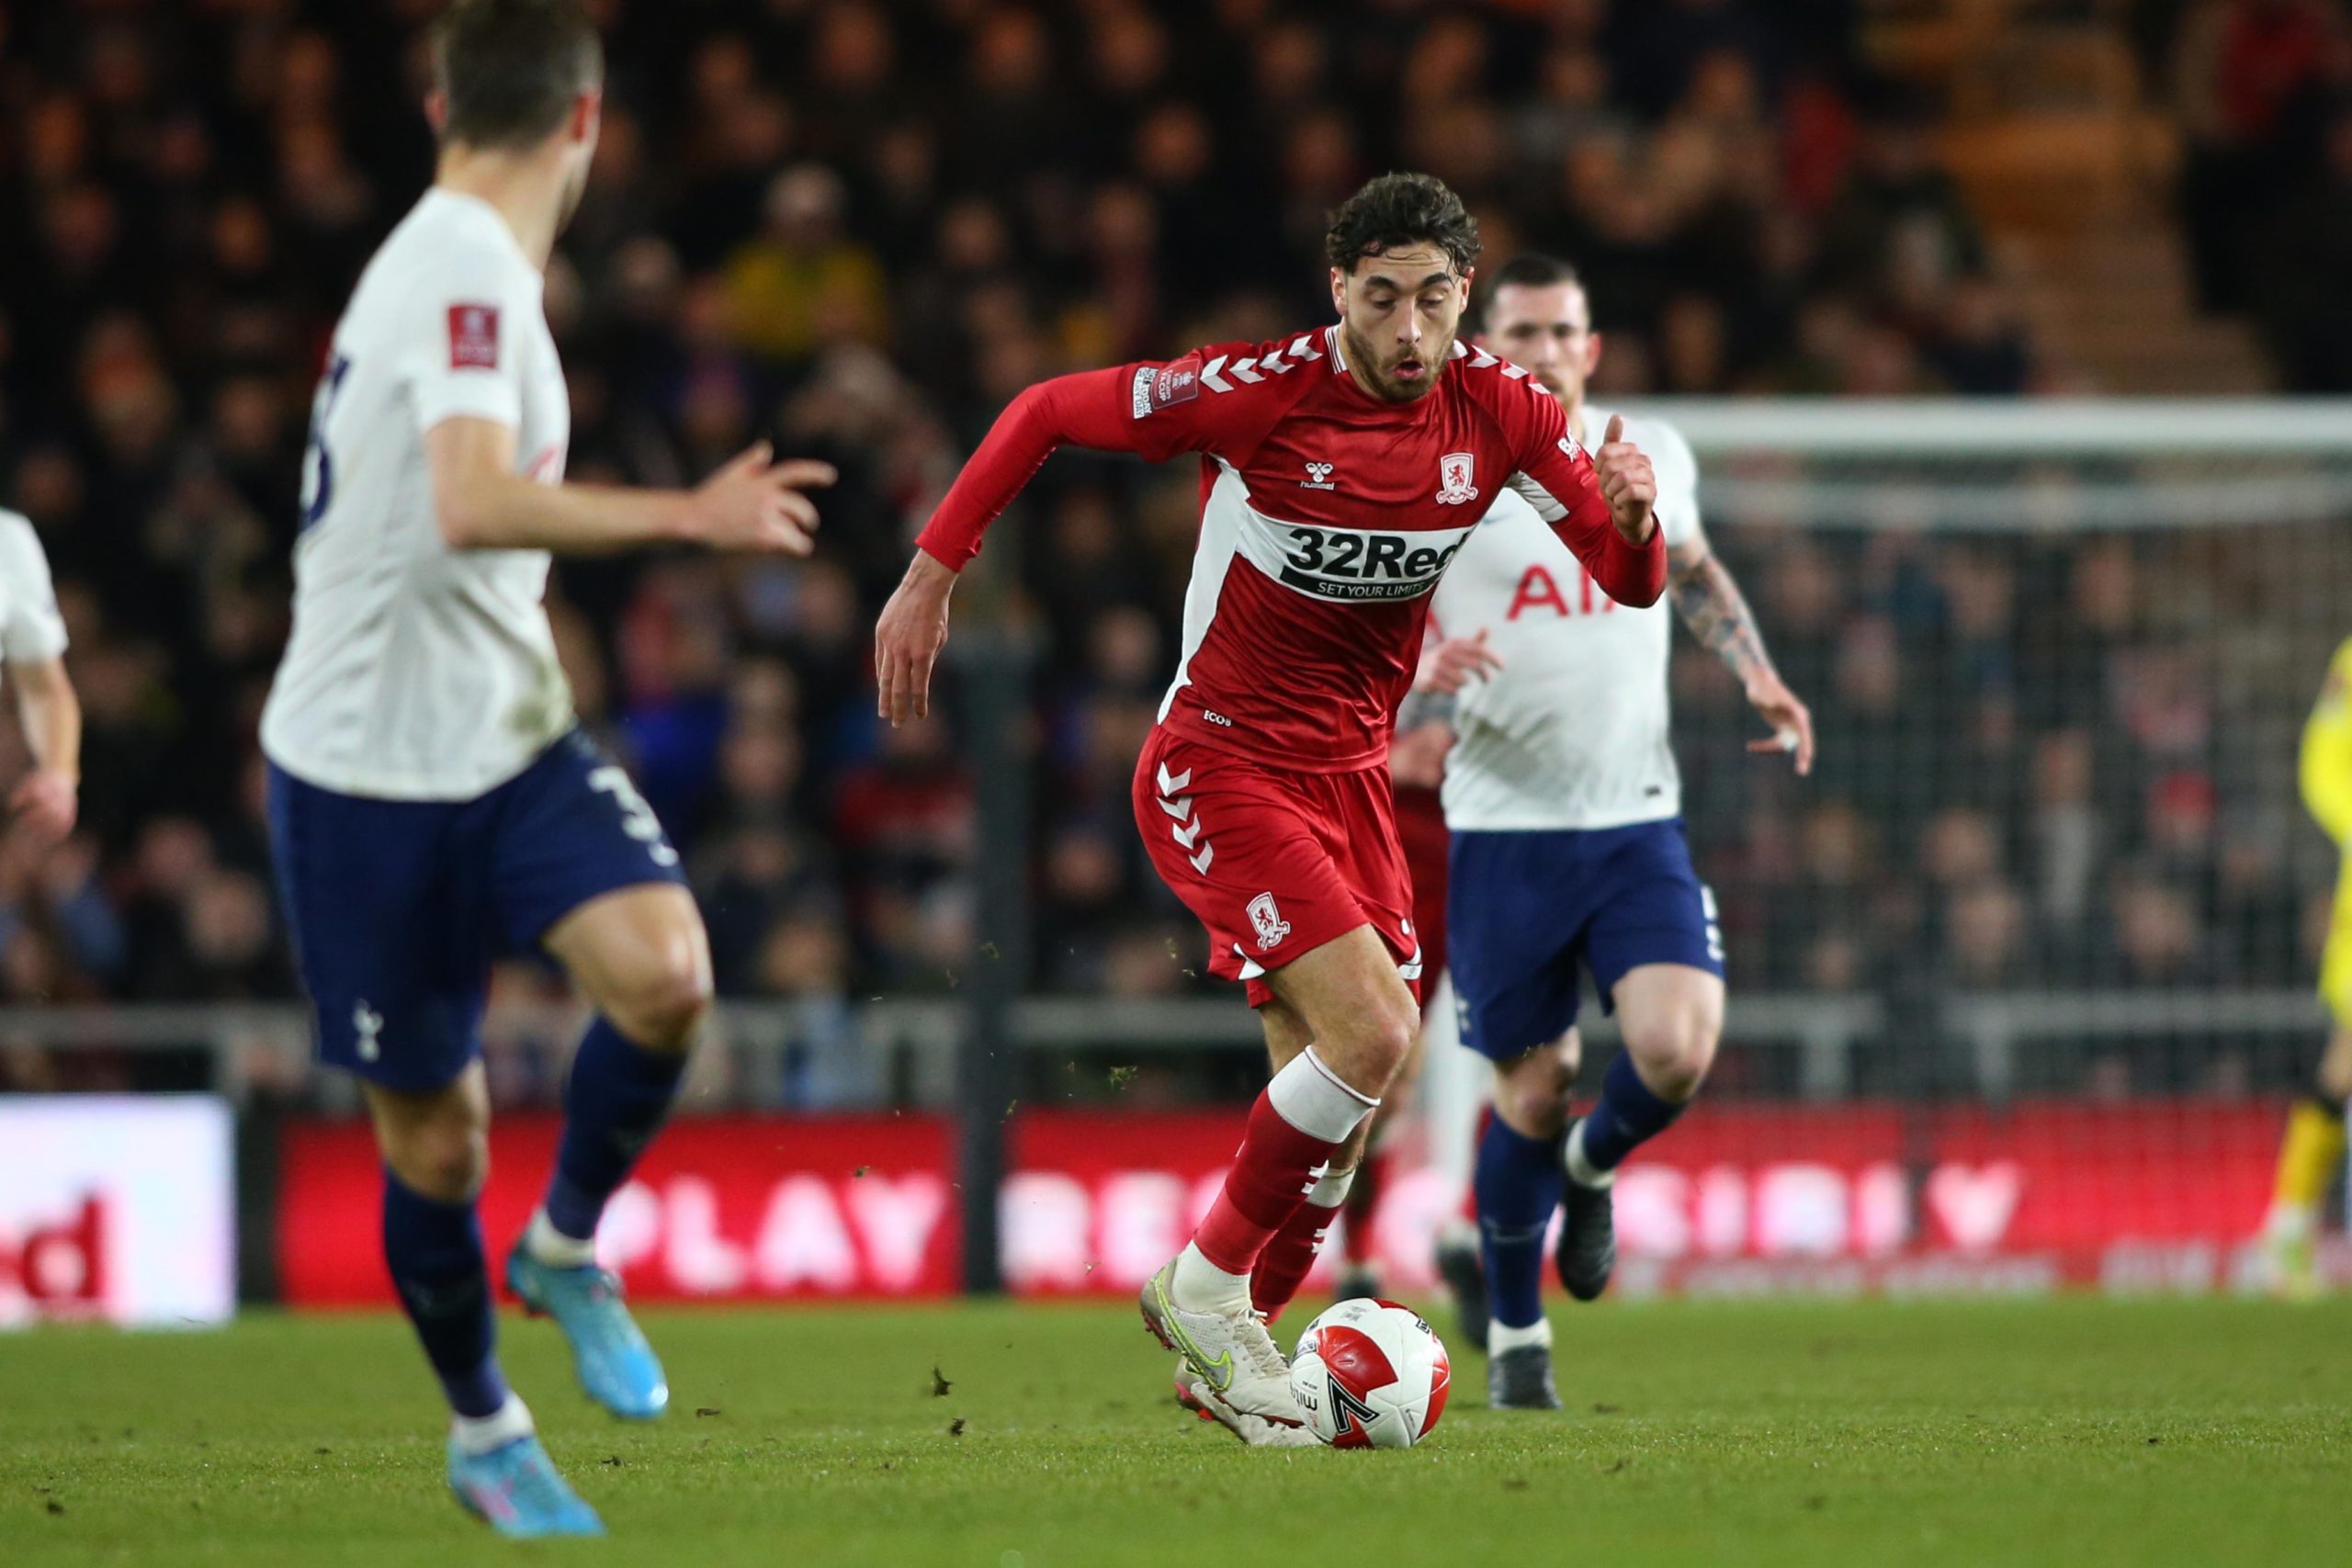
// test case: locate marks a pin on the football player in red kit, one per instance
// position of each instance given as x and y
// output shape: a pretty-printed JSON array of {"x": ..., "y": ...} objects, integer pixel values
[{"x": 1341, "y": 469}]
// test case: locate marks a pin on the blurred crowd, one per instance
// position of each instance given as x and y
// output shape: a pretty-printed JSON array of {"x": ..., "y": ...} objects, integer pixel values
[
  {"x": 2262, "y": 89},
  {"x": 860, "y": 228},
  {"x": 2044, "y": 766}
]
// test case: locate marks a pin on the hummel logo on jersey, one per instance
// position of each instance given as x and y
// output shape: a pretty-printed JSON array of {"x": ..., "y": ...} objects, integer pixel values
[
  {"x": 1268, "y": 922},
  {"x": 1187, "y": 830},
  {"x": 1318, "y": 477},
  {"x": 1454, "y": 471},
  {"x": 367, "y": 1023}
]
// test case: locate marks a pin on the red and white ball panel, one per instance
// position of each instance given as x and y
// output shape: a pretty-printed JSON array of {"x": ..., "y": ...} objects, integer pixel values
[{"x": 1370, "y": 1375}]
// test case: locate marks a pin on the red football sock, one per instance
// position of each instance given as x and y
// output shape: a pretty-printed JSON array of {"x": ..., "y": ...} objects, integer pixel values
[
  {"x": 1290, "y": 1256},
  {"x": 1297, "y": 1125},
  {"x": 1363, "y": 1207}
]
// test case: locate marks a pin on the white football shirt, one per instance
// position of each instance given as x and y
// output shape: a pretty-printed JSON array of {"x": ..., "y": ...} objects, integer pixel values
[
  {"x": 1572, "y": 732},
  {"x": 416, "y": 672},
  {"x": 31, "y": 631}
]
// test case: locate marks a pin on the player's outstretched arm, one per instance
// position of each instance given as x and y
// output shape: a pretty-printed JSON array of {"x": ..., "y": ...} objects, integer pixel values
[
  {"x": 52, "y": 716},
  {"x": 752, "y": 503},
  {"x": 1094, "y": 409},
  {"x": 1712, "y": 606}
]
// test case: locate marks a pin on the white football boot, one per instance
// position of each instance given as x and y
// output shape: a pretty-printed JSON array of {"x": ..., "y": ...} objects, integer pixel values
[
  {"x": 1255, "y": 1430},
  {"x": 1227, "y": 1349}
]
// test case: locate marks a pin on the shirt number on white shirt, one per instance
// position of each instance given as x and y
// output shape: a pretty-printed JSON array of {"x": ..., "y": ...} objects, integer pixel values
[
  {"x": 318, "y": 468},
  {"x": 637, "y": 817}
]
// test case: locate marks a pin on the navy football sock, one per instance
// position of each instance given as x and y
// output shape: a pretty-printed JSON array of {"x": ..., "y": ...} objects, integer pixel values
[
  {"x": 434, "y": 1253},
  {"x": 1628, "y": 1116},
  {"x": 1518, "y": 1185},
  {"x": 615, "y": 1098}
]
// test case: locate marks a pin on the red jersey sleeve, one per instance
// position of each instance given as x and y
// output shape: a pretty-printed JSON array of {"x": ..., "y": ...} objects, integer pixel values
[
  {"x": 1150, "y": 408},
  {"x": 1556, "y": 476}
]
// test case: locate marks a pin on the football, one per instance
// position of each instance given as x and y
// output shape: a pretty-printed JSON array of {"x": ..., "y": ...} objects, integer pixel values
[{"x": 1370, "y": 1375}]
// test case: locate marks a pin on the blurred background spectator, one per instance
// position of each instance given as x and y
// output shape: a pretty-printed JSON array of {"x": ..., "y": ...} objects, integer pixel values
[{"x": 860, "y": 228}]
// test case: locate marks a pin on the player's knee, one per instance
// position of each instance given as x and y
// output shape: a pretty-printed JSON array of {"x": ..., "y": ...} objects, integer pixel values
[
  {"x": 666, "y": 1011},
  {"x": 1389, "y": 1037},
  {"x": 445, "y": 1158},
  {"x": 1531, "y": 1094},
  {"x": 1532, "y": 1113},
  {"x": 1673, "y": 1053},
  {"x": 664, "y": 1005}
]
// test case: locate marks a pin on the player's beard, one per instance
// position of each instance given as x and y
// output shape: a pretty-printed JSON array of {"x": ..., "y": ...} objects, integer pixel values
[{"x": 1377, "y": 375}]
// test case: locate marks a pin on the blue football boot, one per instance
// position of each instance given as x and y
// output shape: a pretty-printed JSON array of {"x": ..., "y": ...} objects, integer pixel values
[
  {"x": 514, "y": 1488},
  {"x": 617, "y": 1366}
]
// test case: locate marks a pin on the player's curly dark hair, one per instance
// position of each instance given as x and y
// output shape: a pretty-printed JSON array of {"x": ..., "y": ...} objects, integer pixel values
[
  {"x": 1399, "y": 210},
  {"x": 510, "y": 70}
]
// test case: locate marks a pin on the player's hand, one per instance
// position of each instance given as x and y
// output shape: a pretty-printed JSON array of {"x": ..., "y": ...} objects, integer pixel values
[
  {"x": 908, "y": 639},
  {"x": 47, "y": 800},
  {"x": 1790, "y": 720},
  {"x": 1455, "y": 663},
  {"x": 754, "y": 503},
  {"x": 1417, "y": 757},
  {"x": 1627, "y": 482}
]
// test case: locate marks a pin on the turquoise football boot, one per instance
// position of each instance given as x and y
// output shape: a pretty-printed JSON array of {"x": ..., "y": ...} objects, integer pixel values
[
  {"x": 514, "y": 1489},
  {"x": 617, "y": 1366}
]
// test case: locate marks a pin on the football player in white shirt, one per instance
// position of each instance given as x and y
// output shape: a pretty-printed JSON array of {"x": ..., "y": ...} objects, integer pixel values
[
  {"x": 32, "y": 643},
  {"x": 1568, "y": 851},
  {"x": 432, "y": 802}
]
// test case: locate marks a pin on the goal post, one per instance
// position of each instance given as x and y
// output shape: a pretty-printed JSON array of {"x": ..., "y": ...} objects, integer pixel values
[{"x": 2050, "y": 874}]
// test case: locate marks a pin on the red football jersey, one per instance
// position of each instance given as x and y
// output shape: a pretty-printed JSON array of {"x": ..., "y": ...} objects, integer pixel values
[{"x": 1327, "y": 518}]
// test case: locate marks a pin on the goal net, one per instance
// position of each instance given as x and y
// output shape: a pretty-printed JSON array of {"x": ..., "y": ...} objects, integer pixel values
[{"x": 2023, "y": 975}]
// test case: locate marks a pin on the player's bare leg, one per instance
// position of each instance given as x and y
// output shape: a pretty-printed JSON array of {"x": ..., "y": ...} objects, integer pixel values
[
  {"x": 1517, "y": 1184},
  {"x": 2309, "y": 1156},
  {"x": 641, "y": 958},
  {"x": 1672, "y": 1016},
  {"x": 1360, "y": 1201},
  {"x": 1349, "y": 1026},
  {"x": 435, "y": 1147}
]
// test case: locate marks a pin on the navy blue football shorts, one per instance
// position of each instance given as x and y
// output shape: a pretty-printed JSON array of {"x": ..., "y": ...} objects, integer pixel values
[
  {"x": 398, "y": 907},
  {"x": 1526, "y": 909}
]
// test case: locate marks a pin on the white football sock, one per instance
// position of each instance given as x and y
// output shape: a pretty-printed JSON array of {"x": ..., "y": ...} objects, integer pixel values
[
  {"x": 1582, "y": 1171},
  {"x": 554, "y": 1248},
  {"x": 1316, "y": 1100},
  {"x": 1502, "y": 1336},
  {"x": 1332, "y": 1190},
  {"x": 1201, "y": 1286},
  {"x": 480, "y": 1434}
]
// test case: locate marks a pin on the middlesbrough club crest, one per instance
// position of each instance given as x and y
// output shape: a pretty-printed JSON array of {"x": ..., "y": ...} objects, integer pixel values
[
  {"x": 1269, "y": 922},
  {"x": 1454, "y": 472}
]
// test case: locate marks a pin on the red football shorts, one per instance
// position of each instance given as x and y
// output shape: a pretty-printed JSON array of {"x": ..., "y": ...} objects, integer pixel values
[
  {"x": 1274, "y": 862},
  {"x": 1420, "y": 827}
]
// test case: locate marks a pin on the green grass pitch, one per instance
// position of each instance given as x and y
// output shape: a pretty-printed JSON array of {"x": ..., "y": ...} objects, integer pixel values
[{"x": 2069, "y": 1432}]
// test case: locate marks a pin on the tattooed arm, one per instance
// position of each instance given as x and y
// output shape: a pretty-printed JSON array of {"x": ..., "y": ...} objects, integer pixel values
[{"x": 1711, "y": 604}]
